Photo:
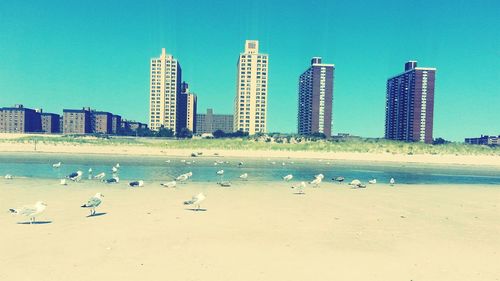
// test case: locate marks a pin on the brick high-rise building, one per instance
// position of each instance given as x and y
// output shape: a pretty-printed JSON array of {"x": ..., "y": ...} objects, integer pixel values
[
  {"x": 250, "y": 103},
  {"x": 315, "y": 99},
  {"x": 410, "y": 104}
]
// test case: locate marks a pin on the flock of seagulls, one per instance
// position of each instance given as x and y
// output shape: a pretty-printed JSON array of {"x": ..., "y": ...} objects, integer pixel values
[{"x": 95, "y": 201}]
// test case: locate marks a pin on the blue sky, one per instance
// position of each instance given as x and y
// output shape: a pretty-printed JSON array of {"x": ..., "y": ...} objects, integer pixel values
[{"x": 69, "y": 54}]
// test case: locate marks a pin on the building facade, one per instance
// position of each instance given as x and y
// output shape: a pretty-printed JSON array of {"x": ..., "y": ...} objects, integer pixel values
[
  {"x": 19, "y": 119},
  {"x": 165, "y": 88},
  {"x": 102, "y": 122},
  {"x": 50, "y": 123},
  {"x": 115, "y": 124},
  {"x": 209, "y": 122},
  {"x": 250, "y": 103},
  {"x": 410, "y": 104},
  {"x": 316, "y": 99},
  {"x": 77, "y": 121},
  {"x": 484, "y": 140}
]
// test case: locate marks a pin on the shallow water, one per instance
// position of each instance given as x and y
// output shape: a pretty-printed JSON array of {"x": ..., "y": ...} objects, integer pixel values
[{"x": 204, "y": 169}]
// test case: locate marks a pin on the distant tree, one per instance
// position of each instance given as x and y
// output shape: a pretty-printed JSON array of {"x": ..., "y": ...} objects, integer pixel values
[
  {"x": 219, "y": 134},
  {"x": 439, "y": 141},
  {"x": 184, "y": 133},
  {"x": 164, "y": 133},
  {"x": 143, "y": 132}
]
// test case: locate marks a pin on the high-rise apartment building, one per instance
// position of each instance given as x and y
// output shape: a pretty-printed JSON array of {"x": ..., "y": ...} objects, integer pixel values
[
  {"x": 409, "y": 107},
  {"x": 186, "y": 109},
  {"x": 315, "y": 99},
  {"x": 210, "y": 122},
  {"x": 165, "y": 88},
  {"x": 250, "y": 103}
]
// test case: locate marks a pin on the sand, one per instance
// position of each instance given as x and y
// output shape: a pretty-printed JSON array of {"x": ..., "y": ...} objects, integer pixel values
[
  {"x": 134, "y": 151},
  {"x": 252, "y": 231}
]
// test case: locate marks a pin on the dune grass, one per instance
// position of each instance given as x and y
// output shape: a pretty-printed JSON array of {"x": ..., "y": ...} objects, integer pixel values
[{"x": 348, "y": 145}]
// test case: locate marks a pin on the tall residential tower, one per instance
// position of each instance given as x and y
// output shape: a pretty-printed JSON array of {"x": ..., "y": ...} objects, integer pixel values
[
  {"x": 165, "y": 87},
  {"x": 315, "y": 99},
  {"x": 409, "y": 106},
  {"x": 250, "y": 103}
]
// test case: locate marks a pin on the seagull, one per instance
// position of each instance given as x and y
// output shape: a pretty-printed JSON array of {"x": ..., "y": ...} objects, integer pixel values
[
  {"x": 182, "y": 178},
  {"x": 30, "y": 211},
  {"x": 320, "y": 176},
  {"x": 189, "y": 174},
  {"x": 56, "y": 165},
  {"x": 167, "y": 161},
  {"x": 117, "y": 165},
  {"x": 169, "y": 184},
  {"x": 8, "y": 177},
  {"x": 63, "y": 182},
  {"x": 136, "y": 183},
  {"x": 300, "y": 187},
  {"x": 93, "y": 203},
  {"x": 372, "y": 181},
  {"x": 196, "y": 200},
  {"x": 100, "y": 176},
  {"x": 112, "y": 180},
  {"x": 339, "y": 179},
  {"x": 90, "y": 173},
  {"x": 75, "y": 176},
  {"x": 220, "y": 172},
  {"x": 355, "y": 182},
  {"x": 392, "y": 181},
  {"x": 288, "y": 177},
  {"x": 114, "y": 169},
  {"x": 316, "y": 181},
  {"x": 225, "y": 183},
  {"x": 244, "y": 176}
]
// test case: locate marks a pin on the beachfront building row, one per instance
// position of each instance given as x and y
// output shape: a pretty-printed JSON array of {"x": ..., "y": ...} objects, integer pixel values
[
  {"x": 410, "y": 104},
  {"x": 171, "y": 105},
  {"x": 19, "y": 119},
  {"x": 210, "y": 122},
  {"x": 484, "y": 140},
  {"x": 316, "y": 99}
]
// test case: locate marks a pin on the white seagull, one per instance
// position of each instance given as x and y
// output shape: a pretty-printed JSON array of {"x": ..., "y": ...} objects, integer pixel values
[
  {"x": 244, "y": 176},
  {"x": 189, "y": 174},
  {"x": 392, "y": 181},
  {"x": 288, "y": 177},
  {"x": 372, "y": 181},
  {"x": 57, "y": 165},
  {"x": 320, "y": 176},
  {"x": 30, "y": 211},
  {"x": 355, "y": 182},
  {"x": 114, "y": 169},
  {"x": 93, "y": 203},
  {"x": 220, "y": 172},
  {"x": 182, "y": 178},
  {"x": 8, "y": 177},
  {"x": 100, "y": 176},
  {"x": 316, "y": 181},
  {"x": 300, "y": 187},
  {"x": 196, "y": 200},
  {"x": 169, "y": 184}
]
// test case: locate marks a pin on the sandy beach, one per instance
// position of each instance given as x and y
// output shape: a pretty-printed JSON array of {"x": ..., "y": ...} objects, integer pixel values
[
  {"x": 252, "y": 231},
  {"x": 137, "y": 151}
]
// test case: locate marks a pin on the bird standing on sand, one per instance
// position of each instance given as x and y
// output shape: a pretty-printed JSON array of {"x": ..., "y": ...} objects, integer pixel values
[
  {"x": 56, "y": 165},
  {"x": 136, "y": 183},
  {"x": 75, "y": 176},
  {"x": 244, "y": 176},
  {"x": 169, "y": 184},
  {"x": 300, "y": 187},
  {"x": 372, "y": 181},
  {"x": 182, "y": 178},
  {"x": 8, "y": 177},
  {"x": 93, "y": 203},
  {"x": 316, "y": 182},
  {"x": 196, "y": 200},
  {"x": 321, "y": 176},
  {"x": 392, "y": 181},
  {"x": 339, "y": 179},
  {"x": 288, "y": 177},
  {"x": 30, "y": 211},
  {"x": 100, "y": 176}
]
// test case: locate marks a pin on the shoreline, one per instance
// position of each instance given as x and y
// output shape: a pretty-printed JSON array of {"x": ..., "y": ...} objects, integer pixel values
[{"x": 154, "y": 151}]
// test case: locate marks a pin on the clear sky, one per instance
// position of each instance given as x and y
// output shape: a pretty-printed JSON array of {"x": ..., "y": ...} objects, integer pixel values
[{"x": 69, "y": 54}]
